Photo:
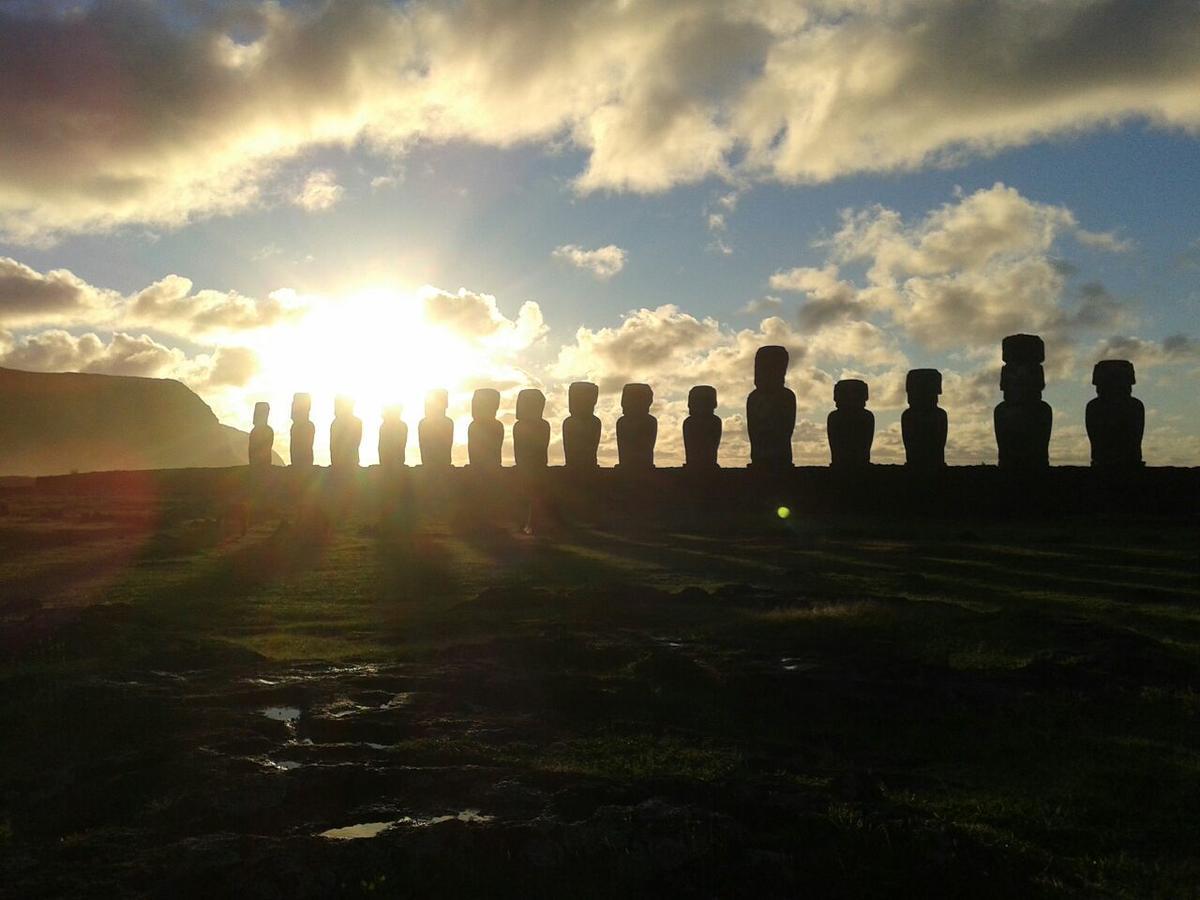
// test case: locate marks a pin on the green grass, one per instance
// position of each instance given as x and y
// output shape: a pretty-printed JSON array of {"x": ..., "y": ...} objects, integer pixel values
[{"x": 891, "y": 700}]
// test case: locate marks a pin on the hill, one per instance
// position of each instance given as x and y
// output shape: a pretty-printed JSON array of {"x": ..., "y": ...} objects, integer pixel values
[{"x": 57, "y": 422}]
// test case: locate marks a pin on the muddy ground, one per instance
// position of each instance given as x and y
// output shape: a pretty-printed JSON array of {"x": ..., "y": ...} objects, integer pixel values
[{"x": 765, "y": 707}]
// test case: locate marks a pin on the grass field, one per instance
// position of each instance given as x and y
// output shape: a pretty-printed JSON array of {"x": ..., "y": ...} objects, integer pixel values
[{"x": 810, "y": 706}]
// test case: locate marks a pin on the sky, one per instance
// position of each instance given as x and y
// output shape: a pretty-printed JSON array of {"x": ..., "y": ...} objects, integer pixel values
[{"x": 379, "y": 199}]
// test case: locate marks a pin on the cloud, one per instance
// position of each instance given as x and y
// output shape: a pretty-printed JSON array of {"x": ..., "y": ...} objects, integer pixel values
[
  {"x": 476, "y": 317},
  {"x": 124, "y": 112},
  {"x": 1104, "y": 240},
  {"x": 169, "y": 304},
  {"x": 1171, "y": 350},
  {"x": 59, "y": 351},
  {"x": 603, "y": 262},
  {"x": 58, "y": 296},
  {"x": 320, "y": 191}
]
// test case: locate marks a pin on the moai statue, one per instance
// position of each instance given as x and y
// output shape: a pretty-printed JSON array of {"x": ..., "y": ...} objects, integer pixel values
[
  {"x": 485, "y": 434},
  {"x": 531, "y": 433},
  {"x": 923, "y": 424},
  {"x": 1115, "y": 418},
  {"x": 770, "y": 411},
  {"x": 345, "y": 435},
  {"x": 1023, "y": 419},
  {"x": 393, "y": 439},
  {"x": 701, "y": 429},
  {"x": 851, "y": 427},
  {"x": 435, "y": 432},
  {"x": 637, "y": 430},
  {"x": 581, "y": 429},
  {"x": 262, "y": 438},
  {"x": 303, "y": 433}
]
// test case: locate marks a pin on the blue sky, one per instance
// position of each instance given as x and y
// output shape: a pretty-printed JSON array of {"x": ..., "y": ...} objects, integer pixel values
[{"x": 445, "y": 169}]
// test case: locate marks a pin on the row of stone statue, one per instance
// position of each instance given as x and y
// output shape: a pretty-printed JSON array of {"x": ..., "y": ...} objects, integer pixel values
[{"x": 1115, "y": 422}]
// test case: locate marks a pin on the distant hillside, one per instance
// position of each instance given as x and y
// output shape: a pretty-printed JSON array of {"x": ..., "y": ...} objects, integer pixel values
[{"x": 53, "y": 423}]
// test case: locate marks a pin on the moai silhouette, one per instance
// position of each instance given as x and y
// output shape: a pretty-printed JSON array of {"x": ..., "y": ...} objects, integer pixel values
[
  {"x": 304, "y": 432},
  {"x": 345, "y": 435},
  {"x": 581, "y": 429},
  {"x": 435, "y": 432},
  {"x": 1023, "y": 419},
  {"x": 637, "y": 430},
  {"x": 701, "y": 429},
  {"x": 771, "y": 411},
  {"x": 923, "y": 424},
  {"x": 531, "y": 433},
  {"x": 485, "y": 434},
  {"x": 1115, "y": 418},
  {"x": 851, "y": 427},
  {"x": 393, "y": 439},
  {"x": 262, "y": 438}
]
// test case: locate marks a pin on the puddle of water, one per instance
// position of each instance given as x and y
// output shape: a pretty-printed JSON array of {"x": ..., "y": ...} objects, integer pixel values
[
  {"x": 289, "y": 715},
  {"x": 352, "y": 832},
  {"x": 372, "y": 829}
]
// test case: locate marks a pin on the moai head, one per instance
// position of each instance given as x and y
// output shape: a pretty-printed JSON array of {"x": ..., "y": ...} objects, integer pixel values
[
  {"x": 1022, "y": 377},
  {"x": 485, "y": 403},
  {"x": 582, "y": 397},
  {"x": 301, "y": 407},
  {"x": 531, "y": 403},
  {"x": 1113, "y": 378},
  {"x": 923, "y": 387},
  {"x": 261, "y": 411},
  {"x": 636, "y": 399},
  {"x": 343, "y": 406},
  {"x": 850, "y": 393},
  {"x": 770, "y": 366},
  {"x": 436, "y": 402},
  {"x": 702, "y": 400},
  {"x": 392, "y": 413}
]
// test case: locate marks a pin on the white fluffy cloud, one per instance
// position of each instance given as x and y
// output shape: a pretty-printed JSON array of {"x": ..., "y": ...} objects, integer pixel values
[
  {"x": 123, "y": 112},
  {"x": 603, "y": 262},
  {"x": 319, "y": 191}
]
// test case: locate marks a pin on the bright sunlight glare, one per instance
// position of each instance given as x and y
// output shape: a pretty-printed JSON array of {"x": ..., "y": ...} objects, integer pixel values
[{"x": 375, "y": 345}]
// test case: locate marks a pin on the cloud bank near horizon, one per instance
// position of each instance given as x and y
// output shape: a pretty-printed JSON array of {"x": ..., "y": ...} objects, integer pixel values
[
  {"x": 892, "y": 293},
  {"x": 125, "y": 113}
]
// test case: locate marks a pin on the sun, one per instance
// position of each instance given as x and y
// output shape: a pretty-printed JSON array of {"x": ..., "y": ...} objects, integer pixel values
[{"x": 374, "y": 345}]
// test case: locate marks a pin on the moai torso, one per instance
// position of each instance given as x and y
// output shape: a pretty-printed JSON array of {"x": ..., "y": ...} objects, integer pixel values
[
  {"x": 637, "y": 430},
  {"x": 393, "y": 439},
  {"x": 1116, "y": 420},
  {"x": 770, "y": 411},
  {"x": 345, "y": 435},
  {"x": 1023, "y": 420},
  {"x": 581, "y": 429},
  {"x": 851, "y": 427},
  {"x": 485, "y": 434},
  {"x": 303, "y": 433},
  {"x": 531, "y": 433},
  {"x": 262, "y": 438},
  {"x": 435, "y": 432},
  {"x": 701, "y": 429},
  {"x": 923, "y": 424}
]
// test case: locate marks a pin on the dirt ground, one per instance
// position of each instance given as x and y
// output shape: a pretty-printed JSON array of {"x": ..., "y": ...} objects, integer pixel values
[{"x": 253, "y": 700}]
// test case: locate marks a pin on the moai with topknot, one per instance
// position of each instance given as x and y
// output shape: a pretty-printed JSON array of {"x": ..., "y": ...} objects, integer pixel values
[
  {"x": 1115, "y": 419},
  {"x": 851, "y": 427},
  {"x": 637, "y": 430},
  {"x": 393, "y": 439},
  {"x": 770, "y": 411},
  {"x": 1023, "y": 419},
  {"x": 345, "y": 435},
  {"x": 304, "y": 432},
  {"x": 262, "y": 438},
  {"x": 531, "y": 433},
  {"x": 435, "y": 432},
  {"x": 485, "y": 434},
  {"x": 701, "y": 428},
  {"x": 581, "y": 429},
  {"x": 923, "y": 424}
]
